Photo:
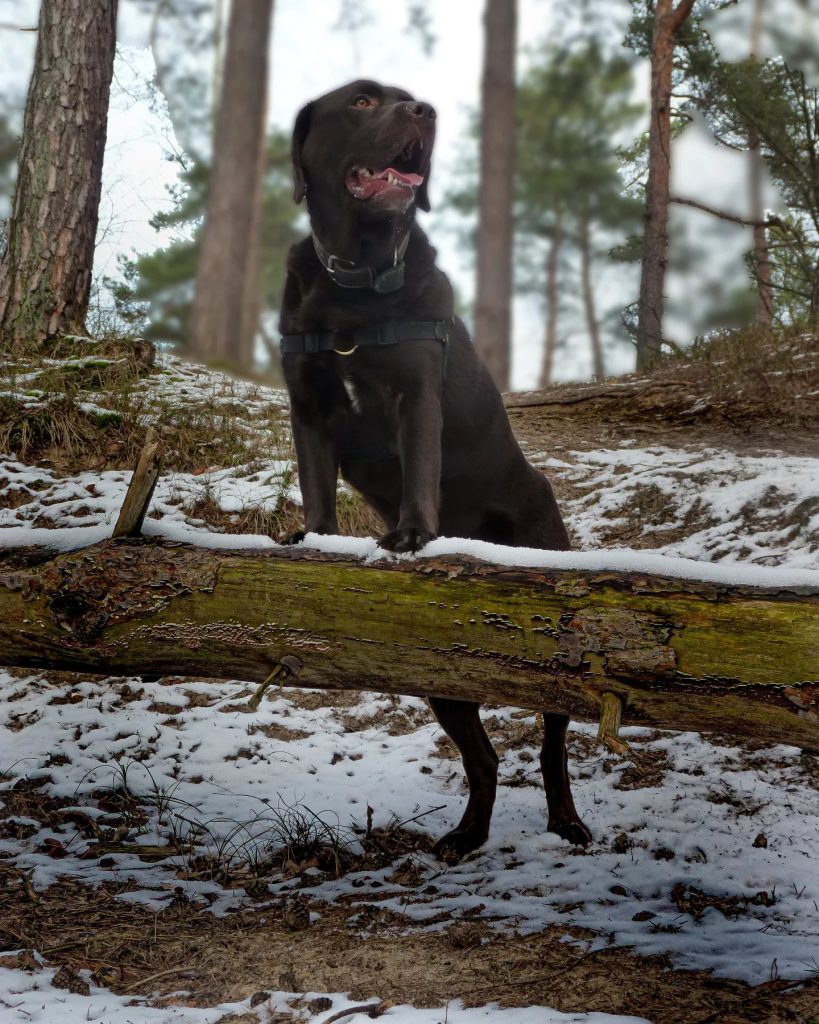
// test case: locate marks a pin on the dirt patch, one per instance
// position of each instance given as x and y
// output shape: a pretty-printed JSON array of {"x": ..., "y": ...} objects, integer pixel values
[
  {"x": 358, "y": 946},
  {"x": 395, "y": 719},
  {"x": 277, "y": 731},
  {"x": 310, "y": 700}
]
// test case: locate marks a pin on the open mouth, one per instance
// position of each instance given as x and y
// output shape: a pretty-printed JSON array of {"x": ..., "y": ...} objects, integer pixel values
[{"x": 399, "y": 180}]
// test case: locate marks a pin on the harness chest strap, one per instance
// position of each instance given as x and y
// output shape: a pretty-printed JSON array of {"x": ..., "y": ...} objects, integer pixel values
[{"x": 345, "y": 342}]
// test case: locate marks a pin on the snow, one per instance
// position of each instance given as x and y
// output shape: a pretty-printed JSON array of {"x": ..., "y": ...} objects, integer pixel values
[
  {"x": 625, "y": 560},
  {"x": 28, "y": 999},
  {"x": 228, "y": 794},
  {"x": 207, "y": 771},
  {"x": 739, "y": 508}
]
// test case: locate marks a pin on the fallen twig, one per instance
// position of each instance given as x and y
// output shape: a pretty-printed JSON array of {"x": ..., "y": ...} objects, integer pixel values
[{"x": 371, "y": 1009}]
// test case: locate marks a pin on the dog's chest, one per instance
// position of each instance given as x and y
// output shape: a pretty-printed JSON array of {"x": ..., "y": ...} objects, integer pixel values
[{"x": 368, "y": 391}]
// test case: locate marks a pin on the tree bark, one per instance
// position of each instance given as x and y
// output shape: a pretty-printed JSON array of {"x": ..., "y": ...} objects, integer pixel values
[
  {"x": 668, "y": 19},
  {"x": 45, "y": 273},
  {"x": 552, "y": 266},
  {"x": 226, "y": 299},
  {"x": 680, "y": 654},
  {"x": 762, "y": 261},
  {"x": 598, "y": 367},
  {"x": 493, "y": 299}
]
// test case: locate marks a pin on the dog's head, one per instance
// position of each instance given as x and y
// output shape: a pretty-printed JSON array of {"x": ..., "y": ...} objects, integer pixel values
[{"x": 366, "y": 148}]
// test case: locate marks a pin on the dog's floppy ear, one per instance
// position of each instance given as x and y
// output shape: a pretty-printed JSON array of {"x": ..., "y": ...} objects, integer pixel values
[{"x": 300, "y": 130}]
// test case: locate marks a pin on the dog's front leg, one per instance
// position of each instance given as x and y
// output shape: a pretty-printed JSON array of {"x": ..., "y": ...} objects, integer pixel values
[
  {"x": 318, "y": 475},
  {"x": 419, "y": 444}
]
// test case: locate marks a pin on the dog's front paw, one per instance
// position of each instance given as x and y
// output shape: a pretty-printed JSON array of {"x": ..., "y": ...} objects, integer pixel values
[
  {"x": 571, "y": 829},
  {"x": 406, "y": 538},
  {"x": 458, "y": 843}
]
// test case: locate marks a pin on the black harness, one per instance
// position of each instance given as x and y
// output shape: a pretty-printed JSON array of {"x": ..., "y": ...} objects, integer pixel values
[{"x": 346, "y": 340}]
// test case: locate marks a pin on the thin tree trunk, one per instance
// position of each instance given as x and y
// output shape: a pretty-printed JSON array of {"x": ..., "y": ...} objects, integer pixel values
[
  {"x": 667, "y": 22},
  {"x": 762, "y": 260},
  {"x": 493, "y": 300},
  {"x": 552, "y": 264},
  {"x": 681, "y": 654},
  {"x": 598, "y": 366},
  {"x": 45, "y": 273},
  {"x": 225, "y": 306}
]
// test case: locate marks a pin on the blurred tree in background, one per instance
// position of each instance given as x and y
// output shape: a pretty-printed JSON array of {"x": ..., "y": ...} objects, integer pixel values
[
  {"x": 768, "y": 108},
  {"x": 156, "y": 290},
  {"x": 496, "y": 186},
  {"x": 574, "y": 103}
]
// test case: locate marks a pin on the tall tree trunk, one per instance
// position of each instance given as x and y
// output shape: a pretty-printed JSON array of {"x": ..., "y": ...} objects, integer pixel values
[
  {"x": 668, "y": 20},
  {"x": 762, "y": 260},
  {"x": 493, "y": 300},
  {"x": 225, "y": 306},
  {"x": 552, "y": 264},
  {"x": 45, "y": 273},
  {"x": 598, "y": 367}
]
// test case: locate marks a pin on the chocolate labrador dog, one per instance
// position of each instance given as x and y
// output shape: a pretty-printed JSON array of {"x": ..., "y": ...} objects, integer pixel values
[{"x": 386, "y": 387}]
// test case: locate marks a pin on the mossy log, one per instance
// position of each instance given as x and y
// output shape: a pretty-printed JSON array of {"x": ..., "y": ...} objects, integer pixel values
[{"x": 679, "y": 654}]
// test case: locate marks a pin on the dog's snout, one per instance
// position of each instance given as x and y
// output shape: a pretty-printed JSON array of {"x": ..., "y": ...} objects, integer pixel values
[{"x": 424, "y": 111}]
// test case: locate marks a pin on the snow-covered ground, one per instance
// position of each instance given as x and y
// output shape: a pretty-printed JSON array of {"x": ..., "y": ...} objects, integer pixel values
[{"x": 710, "y": 858}]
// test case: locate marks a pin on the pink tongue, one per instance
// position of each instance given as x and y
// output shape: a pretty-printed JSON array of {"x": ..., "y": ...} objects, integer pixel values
[{"x": 408, "y": 179}]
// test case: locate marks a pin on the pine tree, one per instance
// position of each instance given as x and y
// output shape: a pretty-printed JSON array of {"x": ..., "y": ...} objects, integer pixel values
[
  {"x": 493, "y": 294},
  {"x": 574, "y": 103},
  {"x": 157, "y": 291},
  {"x": 769, "y": 107},
  {"x": 225, "y": 312},
  {"x": 45, "y": 273}
]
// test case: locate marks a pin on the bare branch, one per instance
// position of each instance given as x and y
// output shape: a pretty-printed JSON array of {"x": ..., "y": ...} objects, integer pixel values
[
  {"x": 681, "y": 13},
  {"x": 17, "y": 28},
  {"x": 770, "y": 222}
]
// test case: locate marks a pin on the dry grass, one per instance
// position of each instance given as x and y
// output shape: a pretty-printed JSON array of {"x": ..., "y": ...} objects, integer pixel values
[
  {"x": 355, "y": 517},
  {"x": 85, "y": 404},
  {"x": 753, "y": 373},
  {"x": 363, "y": 948}
]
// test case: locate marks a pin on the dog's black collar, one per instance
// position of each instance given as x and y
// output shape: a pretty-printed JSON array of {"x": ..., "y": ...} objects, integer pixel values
[
  {"x": 346, "y": 274},
  {"x": 345, "y": 342}
]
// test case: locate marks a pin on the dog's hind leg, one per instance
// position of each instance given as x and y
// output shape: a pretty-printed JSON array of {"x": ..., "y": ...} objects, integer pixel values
[
  {"x": 563, "y": 817},
  {"x": 461, "y": 722}
]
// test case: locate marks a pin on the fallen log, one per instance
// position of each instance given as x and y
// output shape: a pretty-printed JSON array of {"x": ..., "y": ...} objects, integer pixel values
[{"x": 678, "y": 653}]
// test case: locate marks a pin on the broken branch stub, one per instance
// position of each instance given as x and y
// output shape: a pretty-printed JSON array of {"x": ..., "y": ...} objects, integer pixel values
[{"x": 141, "y": 488}]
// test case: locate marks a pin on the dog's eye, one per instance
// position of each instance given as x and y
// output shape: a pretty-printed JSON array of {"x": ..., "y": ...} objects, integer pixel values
[{"x": 363, "y": 101}]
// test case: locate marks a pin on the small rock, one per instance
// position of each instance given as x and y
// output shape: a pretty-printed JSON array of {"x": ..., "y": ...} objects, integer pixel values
[
  {"x": 761, "y": 841},
  {"x": 697, "y": 856},
  {"x": 288, "y": 982},
  {"x": 643, "y": 915},
  {"x": 259, "y": 997},
  {"x": 621, "y": 843},
  {"x": 466, "y": 935},
  {"x": 320, "y": 1004},
  {"x": 619, "y": 890},
  {"x": 257, "y": 889},
  {"x": 295, "y": 916}
]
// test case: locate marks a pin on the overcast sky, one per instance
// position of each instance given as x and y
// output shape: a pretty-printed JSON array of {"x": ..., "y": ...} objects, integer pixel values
[{"x": 311, "y": 55}]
